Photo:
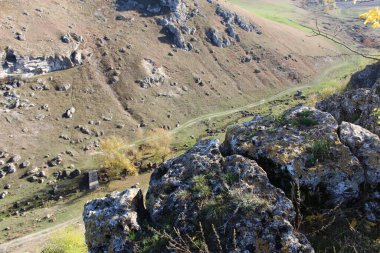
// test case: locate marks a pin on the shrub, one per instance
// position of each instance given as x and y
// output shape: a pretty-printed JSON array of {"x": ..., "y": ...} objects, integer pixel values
[
  {"x": 305, "y": 118},
  {"x": 320, "y": 149},
  {"x": 113, "y": 158},
  {"x": 249, "y": 201},
  {"x": 68, "y": 240},
  {"x": 376, "y": 112},
  {"x": 231, "y": 178},
  {"x": 200, "y": 187},
  {"x": 159, "y": 143}
]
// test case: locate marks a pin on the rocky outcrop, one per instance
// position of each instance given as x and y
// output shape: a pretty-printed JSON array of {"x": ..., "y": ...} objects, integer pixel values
[
  {"x": 366, "y": 147},
  {"x": 228, "y": 199},
  {"x": 355, "y": 106},
  {"x": 215, "y": 38},
  {"x": 367, "y": 78},
  {"x": 358, "y": 103},
  {"x": 230, "y": 20},
  {"x": 13, "y": 64},
  {"x": 204, "y": 187},
  {"x": 110, "y": 221},
  {"x": 301, "y": 148}
]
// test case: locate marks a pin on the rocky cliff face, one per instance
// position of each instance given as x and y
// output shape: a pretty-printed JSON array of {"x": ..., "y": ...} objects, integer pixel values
[
  {"x": 13, "y": 64},
  {"x": 244, "y": 195}
]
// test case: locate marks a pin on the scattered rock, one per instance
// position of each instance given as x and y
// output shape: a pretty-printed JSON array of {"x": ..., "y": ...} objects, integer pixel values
[
  {"x": 15, "y": 159},
  {"x": 55, "y": 161},
  {"x": 10, "y": 168},
  {"x": 69, "y": 113},
  {"x": 3, "y": 194},
  {"x": 75, "y": 173},
  {"x": 25, "y": 164},
  {"x": 63, "y": 87}
]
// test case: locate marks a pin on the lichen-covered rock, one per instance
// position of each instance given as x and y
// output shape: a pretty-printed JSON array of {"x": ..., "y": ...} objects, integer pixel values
[
  {"x": 372, "y": 207},
  {"x": 109, "y": 221},
  {"x": 355, "y": 106},
  {"x": 232, "y": 193},
  {"x": 302, "y": 148},
  {"x": 366, "y": 147}
]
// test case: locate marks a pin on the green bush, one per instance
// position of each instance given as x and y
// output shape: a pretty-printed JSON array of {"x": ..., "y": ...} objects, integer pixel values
[
  {"x": 231, "y": 178},
  {"x": 200, "y": 187},
  {"x": 305, "y": 118},
  {"x": 320, "y": 149}
]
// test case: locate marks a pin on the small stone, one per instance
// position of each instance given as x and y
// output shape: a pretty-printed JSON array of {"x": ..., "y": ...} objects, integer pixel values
[
  {"x": 63, "y": 87},
  {"x": 3, "y": 194},
  {"x": 15, "y": 159},
  {"x": 69, "y": 113},
  {"x": 10, "y": 168},
  {"x": 2, "y": 174},
  {"x": 75, "y": 173},
  {"x": 24, "y": 164},
  {"x": 42, "y": 174},
  {"x": 55, "y": 161}
]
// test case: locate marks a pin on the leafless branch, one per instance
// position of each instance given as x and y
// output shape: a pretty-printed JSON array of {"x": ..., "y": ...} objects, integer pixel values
[{"x": 317, "y": 32}]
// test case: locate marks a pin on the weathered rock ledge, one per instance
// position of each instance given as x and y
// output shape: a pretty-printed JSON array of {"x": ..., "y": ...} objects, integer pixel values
[{"x": 13, "y": 64}]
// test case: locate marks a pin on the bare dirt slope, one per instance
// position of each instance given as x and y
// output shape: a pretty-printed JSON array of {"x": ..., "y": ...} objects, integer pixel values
[{"x": 203, "y": 80}]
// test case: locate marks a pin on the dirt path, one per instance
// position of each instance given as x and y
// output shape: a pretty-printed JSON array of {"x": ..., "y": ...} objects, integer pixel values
[{"x": 33, "y": 242}]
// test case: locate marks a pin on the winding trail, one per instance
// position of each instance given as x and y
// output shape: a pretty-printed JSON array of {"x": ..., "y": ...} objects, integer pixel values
[{"x": 27, "y": 244}]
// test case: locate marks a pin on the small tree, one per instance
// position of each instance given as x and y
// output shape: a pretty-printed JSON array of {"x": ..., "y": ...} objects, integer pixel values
[
  {"x": 159, "y": 143},
  {"x": 114, "y": 158}
]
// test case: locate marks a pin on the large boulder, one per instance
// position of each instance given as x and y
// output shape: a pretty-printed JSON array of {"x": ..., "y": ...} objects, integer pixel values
[
  {"x": 229, "y": 198},
  {"x": 366, "y": 147},
  {"x": 302, "y": 148},
  {"x": 355, "y": 106},
  {"x": 109, "y": 221}
]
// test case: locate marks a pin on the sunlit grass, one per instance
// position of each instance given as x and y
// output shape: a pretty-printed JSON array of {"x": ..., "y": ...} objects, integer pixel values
[
  {"x": 279, "y": 12},
  {"x": 68, "y": 240}
]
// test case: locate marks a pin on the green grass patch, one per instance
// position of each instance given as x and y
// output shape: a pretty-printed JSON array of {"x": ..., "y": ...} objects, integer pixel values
[
  {"x": 68, "y": 240},
  {"x": 280, "y": 12}
]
